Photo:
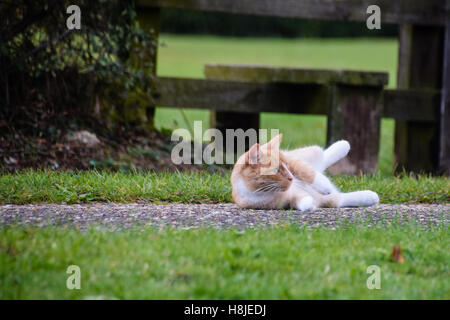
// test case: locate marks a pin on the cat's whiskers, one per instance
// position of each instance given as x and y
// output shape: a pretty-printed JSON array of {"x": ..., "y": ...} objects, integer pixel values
[{"x": 270, "y": 187}]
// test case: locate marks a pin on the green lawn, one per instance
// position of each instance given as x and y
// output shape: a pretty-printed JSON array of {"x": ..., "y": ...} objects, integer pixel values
[
  {"x": 81, "y": 187},
  {"x": 185, "y": 56},
  {"x": 284, "y": 262}
]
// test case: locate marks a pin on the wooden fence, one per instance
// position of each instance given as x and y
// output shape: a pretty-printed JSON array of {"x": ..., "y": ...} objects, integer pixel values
[{"x": 420, "y": 104}]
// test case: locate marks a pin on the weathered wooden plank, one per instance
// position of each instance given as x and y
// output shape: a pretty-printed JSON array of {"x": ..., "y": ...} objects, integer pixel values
[
  {"x": 244, "y": 97},
  {"x": 260, "y": 73},
  {"x": 429, "y": 12},
  {"x": 420, "y": 67},
  {"x": 404, "y": 56},
  {"x": 234, "y": 120},
  {"x": 355, "y": 115},
  {"x": 444, "y": 129},
  {"x": 412, "y": 105},
  {"x": 247, "y": 97}
]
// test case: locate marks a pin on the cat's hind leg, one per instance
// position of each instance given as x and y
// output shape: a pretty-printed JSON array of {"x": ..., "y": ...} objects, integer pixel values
[
  {"x": 363, "y": 198},
  {"x": 312, "y": 155},
  {"x": 335, "y": 152},
  {"x": 318, "y": 158}
]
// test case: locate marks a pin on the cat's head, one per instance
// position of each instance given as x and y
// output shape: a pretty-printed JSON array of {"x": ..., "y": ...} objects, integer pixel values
[{"x": 263, "y": 169}]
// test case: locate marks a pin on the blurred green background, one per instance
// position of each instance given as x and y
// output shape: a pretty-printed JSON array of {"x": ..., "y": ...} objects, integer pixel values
[{"x": 225, "y": 24}]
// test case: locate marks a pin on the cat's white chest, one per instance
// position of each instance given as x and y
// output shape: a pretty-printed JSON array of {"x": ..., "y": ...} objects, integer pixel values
[{"x": 252, "y": 197}]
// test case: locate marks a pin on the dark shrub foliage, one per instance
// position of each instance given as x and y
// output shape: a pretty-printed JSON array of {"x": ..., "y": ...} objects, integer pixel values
[{"x": 49, "y": 72}]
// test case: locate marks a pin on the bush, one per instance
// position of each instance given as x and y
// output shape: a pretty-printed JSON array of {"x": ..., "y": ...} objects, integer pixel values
[{"x": 56, "y": 75}]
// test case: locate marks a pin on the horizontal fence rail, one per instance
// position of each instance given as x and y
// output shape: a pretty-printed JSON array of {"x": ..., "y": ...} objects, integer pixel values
[
  {"x": 250, "y": 97},
  {"x": 262, "y": 73},
  {"x": 427, "y": 12},
  {"x": 246, "y": 97},
  {"x": 412, "y": 105}
]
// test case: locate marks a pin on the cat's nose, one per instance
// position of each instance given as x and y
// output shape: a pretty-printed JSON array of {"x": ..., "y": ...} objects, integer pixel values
[{"x": 290, "y": 178}]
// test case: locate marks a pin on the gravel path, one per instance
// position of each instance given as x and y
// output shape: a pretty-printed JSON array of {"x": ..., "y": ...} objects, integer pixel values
[{"x": 118, "y": 216}]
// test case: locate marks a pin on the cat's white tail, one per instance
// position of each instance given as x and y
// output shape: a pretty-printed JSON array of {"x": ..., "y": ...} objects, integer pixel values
[{"x": 335, "y": 152}]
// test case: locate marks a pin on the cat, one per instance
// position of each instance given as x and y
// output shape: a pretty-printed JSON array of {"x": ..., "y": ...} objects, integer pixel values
[{"x": 266, "y": 177}]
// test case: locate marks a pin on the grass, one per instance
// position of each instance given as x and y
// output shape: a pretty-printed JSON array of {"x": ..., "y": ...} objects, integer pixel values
[
  {"x": 80, "y": 187},
  {"x": 185, "y": 56},
  {"x": 284, "y": 262}
]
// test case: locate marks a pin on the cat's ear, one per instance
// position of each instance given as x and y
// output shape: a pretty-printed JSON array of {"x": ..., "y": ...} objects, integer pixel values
[
  {"x": 276, "y": 141},
  {"x": 253, "y": 155}
]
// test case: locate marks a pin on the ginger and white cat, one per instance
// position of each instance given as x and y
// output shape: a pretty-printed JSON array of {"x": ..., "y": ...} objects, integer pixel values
[{"x": 266, "y": 177}]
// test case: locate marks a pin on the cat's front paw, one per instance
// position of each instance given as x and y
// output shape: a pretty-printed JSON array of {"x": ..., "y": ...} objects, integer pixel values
[{"x": 306, "y": 204}]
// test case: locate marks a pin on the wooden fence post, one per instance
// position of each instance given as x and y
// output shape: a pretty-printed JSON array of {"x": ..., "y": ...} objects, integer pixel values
[
  {"x": 231, "y": 120},
  {"x": 234, "y": 120},
  {"x": 420, "y": 67},
  {"x": 355, "y": 115},
  {"x": 444, "y": 146},
  {"x": 148, "y": 19}
]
